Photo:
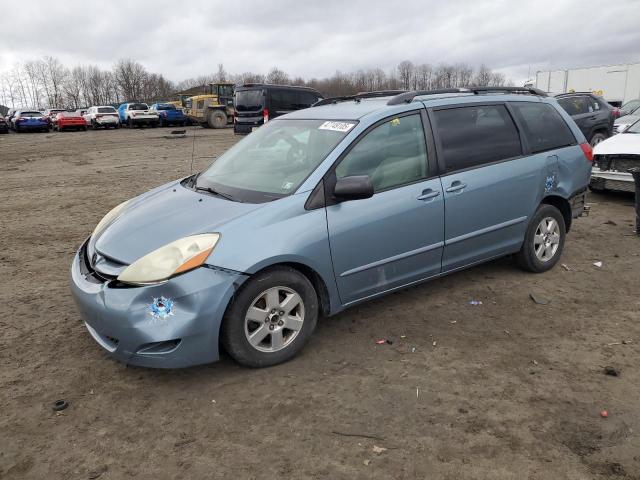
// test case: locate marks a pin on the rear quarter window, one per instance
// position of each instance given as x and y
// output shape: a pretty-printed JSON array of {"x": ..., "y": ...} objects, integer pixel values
[
  {"x": 543, "y": 126},
  {"x": 476, "y": 135}
]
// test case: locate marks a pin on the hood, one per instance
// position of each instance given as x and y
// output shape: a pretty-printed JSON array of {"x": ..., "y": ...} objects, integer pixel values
[
  {"x": 163, "y": 215},
  {"x": 620, "y": 144},
  {"x": 627, "y": 120}
]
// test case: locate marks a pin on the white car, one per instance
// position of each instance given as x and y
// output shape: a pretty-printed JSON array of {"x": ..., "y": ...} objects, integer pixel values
[
  {"x": 623, "y": 122},
  {"x": 613, "y": 158},
  {"x": 102, "y": 116},
  {"x": 137, "y": 114}
]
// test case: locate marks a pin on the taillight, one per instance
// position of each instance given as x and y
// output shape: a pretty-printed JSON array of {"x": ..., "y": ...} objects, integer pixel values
[
  {"x": 616, "y": 112},
  {"x": 265, "y": 115},
  {"x": 588, "y": 151}
]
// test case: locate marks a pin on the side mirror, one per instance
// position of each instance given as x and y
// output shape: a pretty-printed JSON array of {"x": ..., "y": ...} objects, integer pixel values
[{"x": 356, "y": 187}]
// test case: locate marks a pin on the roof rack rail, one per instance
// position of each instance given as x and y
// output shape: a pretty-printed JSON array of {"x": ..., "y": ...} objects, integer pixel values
[
  {"x": 358, "y": 96},
  {"x": 408, "y": 97}
]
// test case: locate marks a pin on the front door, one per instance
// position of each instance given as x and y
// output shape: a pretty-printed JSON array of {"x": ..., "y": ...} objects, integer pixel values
[{"x": 395, "y": 237}]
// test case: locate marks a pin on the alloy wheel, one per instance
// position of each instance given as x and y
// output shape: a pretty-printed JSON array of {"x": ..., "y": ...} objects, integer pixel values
[
  {"x": 546, "y": 239},
  {"x": 274, "y": 319}
]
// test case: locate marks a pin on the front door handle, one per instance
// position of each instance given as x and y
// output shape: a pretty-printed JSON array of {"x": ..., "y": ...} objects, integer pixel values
[
  {"x": 428, "y": 194},
  {"x": 456, "y": 186}
]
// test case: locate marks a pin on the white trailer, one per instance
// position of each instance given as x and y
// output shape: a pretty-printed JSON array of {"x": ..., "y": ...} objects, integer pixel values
[{"x": 616, "y": 83}]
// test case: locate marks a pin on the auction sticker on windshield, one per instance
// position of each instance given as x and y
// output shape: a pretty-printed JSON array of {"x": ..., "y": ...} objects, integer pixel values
[{"x": 336, "y": 126}]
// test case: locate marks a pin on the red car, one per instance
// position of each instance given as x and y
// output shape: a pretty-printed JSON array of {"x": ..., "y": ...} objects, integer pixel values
[{"x": 67, "y": 120}]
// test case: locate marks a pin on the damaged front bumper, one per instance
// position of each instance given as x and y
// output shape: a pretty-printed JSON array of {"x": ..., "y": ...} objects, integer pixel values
[
  {"x": 611, "y": 180},
  {"x": 171, "y": 325}
]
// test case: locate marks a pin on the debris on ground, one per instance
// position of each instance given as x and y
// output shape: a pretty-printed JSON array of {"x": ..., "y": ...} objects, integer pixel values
[
  {"x": 610, "y": 222},
  {"x": 623, "y": 342},
  {"x": 367, "y": 462},
  {"x": 611, "y": 371},
  {"x": 382, "y": 341},
  {"x": 538, "y": 299},
  {"x": 604, "y": 414},
  {"x": 475, "y": 302},
  {"x": 59, "y": 405},
  {"x": 597, "y": 264},
  {"x": 97, "y": 472},
  {"x": 379, "y": 450},
  {"x": 566, "y": 267}
]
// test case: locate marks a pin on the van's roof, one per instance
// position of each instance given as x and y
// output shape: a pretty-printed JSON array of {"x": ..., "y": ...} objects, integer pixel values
[
  {"x": 255, "y": 86},
  {"x": 357, "y": 108}
]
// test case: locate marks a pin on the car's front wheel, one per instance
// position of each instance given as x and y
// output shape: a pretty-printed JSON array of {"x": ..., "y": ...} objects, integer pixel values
[
  {"x": 271, "y": 318},
  {"x": 544, "y": 240}
]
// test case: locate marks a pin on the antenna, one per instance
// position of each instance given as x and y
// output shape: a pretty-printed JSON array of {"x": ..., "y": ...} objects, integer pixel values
[{"x": 193, "y": 147}]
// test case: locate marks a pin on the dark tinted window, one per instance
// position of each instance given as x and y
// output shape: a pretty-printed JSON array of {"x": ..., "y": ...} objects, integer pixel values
[
  {"x": 475, "y": 135},
  {"x": 138, "y": 106},
  {"x": 249, "y": 100},
  {"x": 576, "y": 105},
  {"x": 166, "y": 106},
  {"x": 307, "y": 99},
  {"x": 543, "y": 126},
  {"x": 284, "y": 100},
  {"x": 106, "y": 110},
  {"x": 392, "y": 154}
]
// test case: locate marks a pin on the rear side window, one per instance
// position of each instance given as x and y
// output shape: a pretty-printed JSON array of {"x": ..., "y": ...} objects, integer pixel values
[
  {"x": 392, "y": 154},
  {"x": 283, "y": 100},
  {"x": 576, "y": 105},
  {"x": 476, "y": 135},
  {"x": 543, "y": 126}
]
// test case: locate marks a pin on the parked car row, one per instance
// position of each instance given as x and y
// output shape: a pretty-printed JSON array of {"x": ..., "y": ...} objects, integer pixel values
[{"x": 103, "y": 116}]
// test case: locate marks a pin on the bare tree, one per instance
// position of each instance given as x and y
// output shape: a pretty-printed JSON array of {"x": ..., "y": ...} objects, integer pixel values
[
  {"x": 277, "y": 77},
  {"x": 405, "y": 74}
]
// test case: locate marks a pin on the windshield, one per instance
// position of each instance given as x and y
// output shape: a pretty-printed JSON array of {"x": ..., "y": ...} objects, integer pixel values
[
  {"x": 138, "y": 106},
  {"x": 249, "y": 100},
  {"x": 68, "y": 114},
  {"x": 30, "y": 114},
  {"x": 273, "y": 161},
  {"x": 106, "y": 110},
  {"x": 634, "y": 128}
]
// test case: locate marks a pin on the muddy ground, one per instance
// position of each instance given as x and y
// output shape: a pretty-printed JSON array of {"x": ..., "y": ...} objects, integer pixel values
[{"x": 509, "y": 389}]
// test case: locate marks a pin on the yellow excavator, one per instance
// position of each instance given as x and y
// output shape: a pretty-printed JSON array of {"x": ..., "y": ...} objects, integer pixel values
[{"x": 213, "y": 109}]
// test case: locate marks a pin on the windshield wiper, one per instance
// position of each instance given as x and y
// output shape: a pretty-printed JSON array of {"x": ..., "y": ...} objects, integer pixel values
[{"x": 214, "y": 192}]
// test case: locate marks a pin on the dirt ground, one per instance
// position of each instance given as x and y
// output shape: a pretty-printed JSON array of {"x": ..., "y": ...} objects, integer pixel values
[{"x": 509, "y": 389}]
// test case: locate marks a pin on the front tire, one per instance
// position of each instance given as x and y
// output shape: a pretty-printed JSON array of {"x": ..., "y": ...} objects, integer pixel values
[
  {"x": 217, "y": 119},
  {"x": 271, "y": 318},
  {"x": 544, "y": 240}
]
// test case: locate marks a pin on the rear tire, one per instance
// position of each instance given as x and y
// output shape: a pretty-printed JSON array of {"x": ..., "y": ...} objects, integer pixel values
[
  {"x": 538, "y": 253},
  {"x": 597, "y": 138},
  {"x": 217, "y": 119},
  {"x": 130, "y": 123},
  {"x": 261, "y": 298}
]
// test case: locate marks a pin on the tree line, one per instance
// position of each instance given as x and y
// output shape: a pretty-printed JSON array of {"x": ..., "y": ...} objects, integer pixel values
[{"x": 48, "y": 83}]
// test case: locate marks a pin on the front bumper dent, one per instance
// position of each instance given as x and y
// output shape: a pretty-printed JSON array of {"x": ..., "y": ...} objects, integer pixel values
[{"x": 122, "y": 321}]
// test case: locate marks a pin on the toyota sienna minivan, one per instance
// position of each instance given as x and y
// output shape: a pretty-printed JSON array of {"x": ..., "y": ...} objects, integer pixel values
[{"x": 324, "y": 208}]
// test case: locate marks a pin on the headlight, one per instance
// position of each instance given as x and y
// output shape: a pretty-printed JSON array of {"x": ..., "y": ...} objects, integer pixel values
[
  {"x": 108, "y": 218},
  {"x": 177, "y": 257}
]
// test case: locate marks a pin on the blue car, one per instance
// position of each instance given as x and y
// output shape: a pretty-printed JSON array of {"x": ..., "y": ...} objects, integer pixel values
[
  {"x": 169, "y": 114},
  {"x": 324, "y": 208},
  {"x": 30, "y": 121}
]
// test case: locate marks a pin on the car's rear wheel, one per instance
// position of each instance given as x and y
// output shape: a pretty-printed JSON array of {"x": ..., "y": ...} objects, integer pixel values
[
  {"x": 597, "y": 138},
  {"x": 130, "y": 123},
  {"x": 543, "y": 241},
  {"x": 271, "y": 318}
]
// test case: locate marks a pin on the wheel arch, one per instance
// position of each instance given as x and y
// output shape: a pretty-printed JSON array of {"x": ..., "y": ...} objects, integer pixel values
[
  {"x": 561, "y": 204},
  {"x": 318, "y": 282}
]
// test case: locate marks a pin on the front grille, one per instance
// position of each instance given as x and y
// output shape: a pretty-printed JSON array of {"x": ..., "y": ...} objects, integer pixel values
[{"x": 618, "y": 163}]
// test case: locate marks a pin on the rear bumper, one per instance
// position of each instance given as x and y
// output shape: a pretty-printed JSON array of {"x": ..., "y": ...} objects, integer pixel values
[
  {"x": 32, "y": 126},
  {"x": 578, "y": 201},
  {"x": 123, "y": 322},
  {"x": 144, "y": 121}
]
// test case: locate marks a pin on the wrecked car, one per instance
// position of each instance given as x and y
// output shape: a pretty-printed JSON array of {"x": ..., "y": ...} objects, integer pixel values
[{"x": 324, "y": 208}]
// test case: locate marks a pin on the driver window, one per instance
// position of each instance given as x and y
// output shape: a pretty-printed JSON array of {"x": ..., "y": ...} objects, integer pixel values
[{"x": 392, "y": 154}]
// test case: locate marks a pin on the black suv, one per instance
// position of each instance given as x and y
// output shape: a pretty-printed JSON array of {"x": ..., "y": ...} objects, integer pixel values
[
  {"x": 593, "y": 115},
  {"x": 257, "y": 103}
]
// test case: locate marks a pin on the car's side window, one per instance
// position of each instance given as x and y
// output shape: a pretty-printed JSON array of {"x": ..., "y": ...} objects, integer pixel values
[
  {"x": 475, "y": 135},
  {"x": 392, "y": 154},
  {"x": 543, "y": 126}
]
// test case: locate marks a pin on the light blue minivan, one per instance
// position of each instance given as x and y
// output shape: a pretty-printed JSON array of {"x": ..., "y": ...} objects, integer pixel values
[{"x": 324, "y": 208}]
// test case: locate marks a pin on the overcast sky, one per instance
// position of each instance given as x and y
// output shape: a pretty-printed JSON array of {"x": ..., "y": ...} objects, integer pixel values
[{"x": 188, "y": 38}]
